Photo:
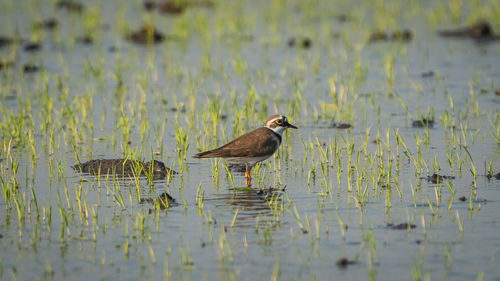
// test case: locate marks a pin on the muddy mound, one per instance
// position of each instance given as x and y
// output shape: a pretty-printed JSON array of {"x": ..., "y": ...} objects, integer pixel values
[{"x": 123, "y": 167}]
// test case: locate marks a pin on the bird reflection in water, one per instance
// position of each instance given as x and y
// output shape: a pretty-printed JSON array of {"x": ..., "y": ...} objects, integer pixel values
[{"x": 250, "y": 203}]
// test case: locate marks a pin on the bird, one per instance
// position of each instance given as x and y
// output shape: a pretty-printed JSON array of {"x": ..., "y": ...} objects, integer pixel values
[{"x": 252, "y": 147}]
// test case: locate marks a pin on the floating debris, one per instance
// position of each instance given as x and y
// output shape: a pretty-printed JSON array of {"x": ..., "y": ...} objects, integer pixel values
[
  {"x": 462, "y": 198},
  {"x": 71, "y": 6},
  {"x": 424, "y": 122},
  {"x": 435, "y": 178},
  {"x": 122, "y": 167},
  {"x": 164, "y": 201},
  {"x": 305, "y": 43},
  {"x": 399, "y": 35},
  {"x": 146, "y": 35},
  {"x": 343, "y": 263},
  {"x": 48, "y": 24},
  {"x": 401, "y": 226},
  {"x": 481, "y": 30},
  {"x": 32, "y": 47},
  {"x": 30, "y": 68}
]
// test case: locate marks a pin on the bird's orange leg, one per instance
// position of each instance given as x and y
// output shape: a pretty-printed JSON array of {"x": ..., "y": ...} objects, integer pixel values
[{"x": 248, "y": 177}]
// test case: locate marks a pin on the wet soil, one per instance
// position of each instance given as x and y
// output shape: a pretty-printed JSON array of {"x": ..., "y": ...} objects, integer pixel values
[
  {"x": 436, "y": 178},
  {"x": 146, "y": 35},
  {"x": 425, "y": 122},
  {"x": 401, "y": 226},
  {"x": 481, "y": 31},
  {"x": 164, "y": 201}
]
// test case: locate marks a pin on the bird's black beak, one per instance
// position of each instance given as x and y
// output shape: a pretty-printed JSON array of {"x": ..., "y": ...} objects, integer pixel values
[{"x": 288, "y": 125}]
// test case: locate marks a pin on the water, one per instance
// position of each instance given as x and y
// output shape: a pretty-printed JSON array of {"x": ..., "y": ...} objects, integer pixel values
[{"x": 229, "y": 68}]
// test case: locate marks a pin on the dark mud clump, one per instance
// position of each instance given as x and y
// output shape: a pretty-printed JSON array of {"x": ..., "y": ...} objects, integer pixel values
[
  {"x": 70, "y": 6},
  {"x": 462, "y": 198},
  {"x": 435, "y": 178},
  {"x": 401, "y": 226},
  {"x": 164, "y": 201},
  {"x": 149, "y": 6},
  {"x": 341, "y": 126},
  {"x": 32, "y": 47},
  {"x": 343, "y": 18},
  {"x": 86, "y": 40},
  {"x": 122, "y": 167},
  {"x": 481, "y": 30},
  {"x": 5, "y": 41},
  {"x": 48, "y": 24},
  {"x": 497, "y": 92},
  {"x": 422, "y": 123},
  {"x": 304, "y": 43},
  {"x": 343, "y": 263},
  {"x": 146, "y": 35},
  {"x": 427, "y": 74},
  {"x": 172, "y": 8},
  {"x": 492, "y": 176},
  {"x": 30, "y": 68},
  {"x": 399, "y": 35},
  {"x": 176, "y": 7}
]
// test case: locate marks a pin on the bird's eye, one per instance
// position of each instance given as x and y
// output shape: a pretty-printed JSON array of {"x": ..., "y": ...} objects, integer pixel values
[{"x": 279, "y": 122}]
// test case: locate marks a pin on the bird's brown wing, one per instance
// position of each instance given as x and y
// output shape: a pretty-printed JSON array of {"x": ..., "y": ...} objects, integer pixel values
[{"x": 256, "y": 143}]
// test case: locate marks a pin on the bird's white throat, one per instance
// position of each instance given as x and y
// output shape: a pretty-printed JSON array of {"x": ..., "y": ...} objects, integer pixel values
[{"x": 278, "y": 130}]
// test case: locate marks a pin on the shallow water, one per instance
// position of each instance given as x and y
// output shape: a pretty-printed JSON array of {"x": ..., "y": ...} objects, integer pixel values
[{"x": 225, "y": 71}]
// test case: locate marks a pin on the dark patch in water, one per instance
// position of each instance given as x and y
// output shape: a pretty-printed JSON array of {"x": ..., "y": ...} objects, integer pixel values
[
  {"x": 424, "y": 122},
  {"x": 177, "y": 7},
  {"x": 462, "y": 198},
  {"x": 5, "y": 41},
  {"x": 427, "y": 74},
  {"x": 164, "y": 201},
  {"x": 146, "y": 35},
  {"x": 497, "y": 92},
  {"x": 70, "y": 6},
  {"x": 48, "y": 24},
  {"x": 86, "y": 40},
  {"x": 398, "y": 35},
  {"x": 122, "y": 167},
  {"x": 435, "y": 178},
  {"x": 30, "y": 68},
  {"x": 32, "y": 47},
  {"x": 343, "y": 18},
  {"x": 496, "y": 176},
  {"x": 305, "y": 42},
  {"x": 341, "y": 126},
  {"x": 401, "y": 226},
  {"x": 480, "y": 31},
  {"x": 171, "y": 7},
  {"x": 343, "y": 263},
  {"x": 149, "y": 5}
]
